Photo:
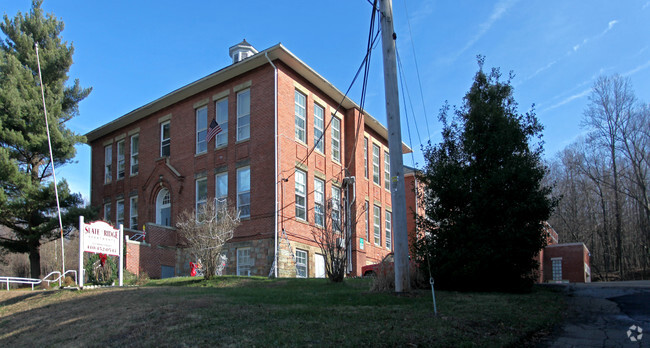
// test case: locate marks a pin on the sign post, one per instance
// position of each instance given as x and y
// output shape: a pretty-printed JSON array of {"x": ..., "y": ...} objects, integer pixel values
[{"x": 100, "y": 237}]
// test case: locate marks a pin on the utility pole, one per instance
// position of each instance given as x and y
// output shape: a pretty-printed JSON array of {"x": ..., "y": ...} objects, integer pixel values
[{"x": 397, "y": 193}]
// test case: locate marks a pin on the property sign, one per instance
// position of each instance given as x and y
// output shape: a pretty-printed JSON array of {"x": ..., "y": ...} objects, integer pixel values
[{"x": 100, "y": 237}]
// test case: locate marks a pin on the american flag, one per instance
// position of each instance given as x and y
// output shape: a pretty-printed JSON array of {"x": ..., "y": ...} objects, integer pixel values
[{"x": 214, "y": 129}]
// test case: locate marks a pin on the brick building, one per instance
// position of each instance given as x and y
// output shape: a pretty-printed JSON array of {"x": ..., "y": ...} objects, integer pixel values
[
  {"x": 567, "y": 262},
  {"x": 154, "y": 162}
]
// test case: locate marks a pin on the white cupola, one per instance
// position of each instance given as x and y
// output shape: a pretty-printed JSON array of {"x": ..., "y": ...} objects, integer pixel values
[{"x": 241, "y": 51}]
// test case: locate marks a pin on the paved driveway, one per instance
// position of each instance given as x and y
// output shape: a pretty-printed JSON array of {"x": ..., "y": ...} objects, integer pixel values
[{"x": 600, "y": 315}]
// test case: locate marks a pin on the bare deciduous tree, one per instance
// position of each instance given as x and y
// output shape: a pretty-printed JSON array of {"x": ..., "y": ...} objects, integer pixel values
[{"x": 206, "y": 231}]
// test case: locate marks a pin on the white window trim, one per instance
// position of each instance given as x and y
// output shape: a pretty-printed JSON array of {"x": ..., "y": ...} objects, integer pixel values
[
  {"x": 320, "y": 143},
  {"x": 336, "y": 141},
  {"x": 241, "y": 266},
  {"x": 300, "y": 264},
  {"x": 224, "y": 125},
  {"x": 133, "y": 213},
  {"x": 107, "y": 211},
  {"x": 204, "y": 128},
  {"x": 388, "y": 229},
  {"x": 302, "y": 195},
  {"x": 365, "y": 157},
  {"x": 197, "y": 201},
  {"x": 336, "y": 207},
  {"x": 376, "y": 216},
  {"x": 134, "y": 154},
  {"x": 162, "y": 140},
  {"x": 121, "y": 159},
  {"x": 240, "y": 116},
  {"x": 376, "y": 164},
  {"x": 117, "y": 212},
  {"x": 108, "y": 164},
  {"x": 319, "y": 202},
  {"x": 386, "y": 170},
  {"x": 239, "y": 193},
  {"x": 220, "y": 195},
  {"x": 298, "y": 116}
]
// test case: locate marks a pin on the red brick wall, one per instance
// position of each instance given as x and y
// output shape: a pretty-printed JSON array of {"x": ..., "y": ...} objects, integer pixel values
[{"x": 574, "y": 257}]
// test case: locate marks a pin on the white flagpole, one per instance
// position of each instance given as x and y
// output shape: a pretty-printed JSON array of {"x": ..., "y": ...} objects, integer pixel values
[{"x": 49, "y": 143}]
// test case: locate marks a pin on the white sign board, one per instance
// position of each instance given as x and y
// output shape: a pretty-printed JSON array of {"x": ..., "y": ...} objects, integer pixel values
[{"x": 100, "y": 237}]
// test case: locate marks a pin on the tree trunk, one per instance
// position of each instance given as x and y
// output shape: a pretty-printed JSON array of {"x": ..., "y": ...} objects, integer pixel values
[{"x": 35, "y": 260}]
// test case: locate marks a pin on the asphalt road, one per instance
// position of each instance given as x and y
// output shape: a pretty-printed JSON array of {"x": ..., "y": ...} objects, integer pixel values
[{"x": 601, "y": 314}]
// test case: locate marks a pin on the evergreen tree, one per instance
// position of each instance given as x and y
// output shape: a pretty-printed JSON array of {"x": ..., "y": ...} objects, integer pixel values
[
  {"x": 484, "y": 200},
  {"x": 27, "y": 199}
]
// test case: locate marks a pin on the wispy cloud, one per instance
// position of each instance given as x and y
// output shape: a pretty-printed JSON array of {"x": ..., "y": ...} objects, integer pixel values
[
  {"x": 637, "y": 69},
  {"x": 646, "y": 5},
  {"x": 498, "y": 11},
  {"x": 610, "y": 25},
  {"x": 568, "y": 100}
]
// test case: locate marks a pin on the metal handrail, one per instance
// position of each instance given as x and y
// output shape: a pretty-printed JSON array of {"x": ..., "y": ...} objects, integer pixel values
[{"x": 34, "y": 281}]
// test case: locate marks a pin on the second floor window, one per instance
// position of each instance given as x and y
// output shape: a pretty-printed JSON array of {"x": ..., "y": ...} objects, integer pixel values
[
  {"x": 319, "y": 124},
  {"x": 165, "y": 139},
  {"x": 386, "y": 170},
  {"x": 375, "y": 164},
  {"x": 300, "y": 111},
  {"x": 319, "y": 201},
  {"x": 108, "y": 164},
  {"x": 121, "y": 161},
  {"x": 107, "y": 212},
  {"x": 133, "y": 213},
  {"x": 201, "y": 195},
  {"x": 365, "y": 157},
  {"x": 377, "y": 224},
  {"x": 201, "y": 129},
  {"x": 119, "y": 216},
  {"x": 243, "y": 115},
  {"x": 221, "y": 188},
  {"x": 388, "y": 228},
  {"x": 336, "y": 139},
  {"x": 336, "y": 209},
  {"x": 222, "y": 119},
  {"x": 135, "y": 151},
  {"x": 301, "y": 195}
]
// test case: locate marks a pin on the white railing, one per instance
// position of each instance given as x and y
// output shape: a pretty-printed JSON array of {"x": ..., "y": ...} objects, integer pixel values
[{"x": 34, "y": 281}]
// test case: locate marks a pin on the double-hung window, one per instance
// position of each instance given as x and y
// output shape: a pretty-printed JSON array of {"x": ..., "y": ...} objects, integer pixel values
[
  {"x": 165, "y": 139},
  {"x": 221, "y": 187},
  {"x": 121, "y": 161},
  {"x": 222, "y": 119},
  {"x": 244, "y": 191},
  {"x": 133, "y": 212},
  {"x": 301, "y": 263},
  {"x": 201, "y": 195},
  {"x": 386, "y": 170},
  {"x": 336, "y": 139},
  {"x": 119, "y": 216},
  {"x": 108, "y": 163},
  {"x": 377, "y": 224},
  {"x": 135, "y": 151},
  {"x": 244, "y": 261},
  {"x": 336, "y": 209},
  {"x": 301, "y": 112},
  {"x": 107, "y": 212},
  {"x": 243, "y": 115},
  {"x": 375, "y": 164},
  {"x": 365, "y": 158},
  {"x": 301, "y": 195},
  {"x": 201, "y": 129},
  {"x": 319, "y": 202},
  {"x": 388, "y": 227},
  {"x": 367, "y": 211},
  {"x": 319, "y": 125}
]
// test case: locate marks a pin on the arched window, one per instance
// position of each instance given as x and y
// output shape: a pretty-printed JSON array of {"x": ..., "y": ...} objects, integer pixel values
[{"x": 163, "y": 208}]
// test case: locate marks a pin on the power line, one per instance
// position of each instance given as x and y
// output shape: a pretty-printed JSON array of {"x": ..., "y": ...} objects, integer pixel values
[{"x": 404, "y": 85}]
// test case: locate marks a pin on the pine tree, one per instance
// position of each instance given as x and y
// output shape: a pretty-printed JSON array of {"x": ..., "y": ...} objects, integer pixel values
[
  {"x": 27, "y": 199},
  {"x": 484, "y": 200}
]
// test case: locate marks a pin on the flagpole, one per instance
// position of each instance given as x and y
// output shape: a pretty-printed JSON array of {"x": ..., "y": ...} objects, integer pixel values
[{"x": 49, "y": 143}]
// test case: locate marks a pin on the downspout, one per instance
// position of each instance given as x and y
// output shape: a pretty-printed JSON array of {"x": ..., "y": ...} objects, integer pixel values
[{"x": 277, "y": 152}]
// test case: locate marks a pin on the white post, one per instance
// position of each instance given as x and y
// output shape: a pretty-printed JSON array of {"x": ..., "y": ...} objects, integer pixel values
[
  {"x": 121, "y": 263},
  {"x": 80, "y": 276}
]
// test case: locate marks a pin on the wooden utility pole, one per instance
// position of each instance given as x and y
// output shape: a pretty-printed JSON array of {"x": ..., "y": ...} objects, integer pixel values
[{"x": 397, "y": 193}]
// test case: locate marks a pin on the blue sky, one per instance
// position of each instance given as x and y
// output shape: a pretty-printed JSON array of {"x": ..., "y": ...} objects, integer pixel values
[{"x": 132, "y": 52}]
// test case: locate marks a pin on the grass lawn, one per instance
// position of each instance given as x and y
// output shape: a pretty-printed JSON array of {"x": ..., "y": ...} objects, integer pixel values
[{"x": 237, "y": 311}]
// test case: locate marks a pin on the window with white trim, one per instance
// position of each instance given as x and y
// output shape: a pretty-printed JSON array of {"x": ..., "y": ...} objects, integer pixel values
[
  {"x": 367, "y": 209},
  {"x": 388, "y": 228},
  {"x": 244, "y": 191},
  {"x": 377, "y": 224},
  {"x": 319, "y": 202},
  {"x": 201, "y": 129},
  {"x": 108, "y": 164},
  {"x": 243, "y": 115},
  {"x": 165, "y": 139},
  {"x": 119, "y": 214},
  {"x": 133, "y": 212},
  {"x": 135, "y": 151},
  {"x": 300, "y": 112},
  {"x": 301, "y": 263},
  {"x": 201, "y": 195},
  {"x": 244, "y": 261},
  {"x": 386, "y": 170},
  {"x": 164, "y": 208},
  {"x": 301, "y": 195},
  {"x": 121, "y": 160},
  {"x": 375, "y": 164},
  {"x": 221, "y": 189},
  {"x": 336, "y": 208},
  {"x": 319, "y": 126},
  {"x": 222, "y": 119},
  {"x": 336, "y": 139},
  {"x": 365, "y": 157}
]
